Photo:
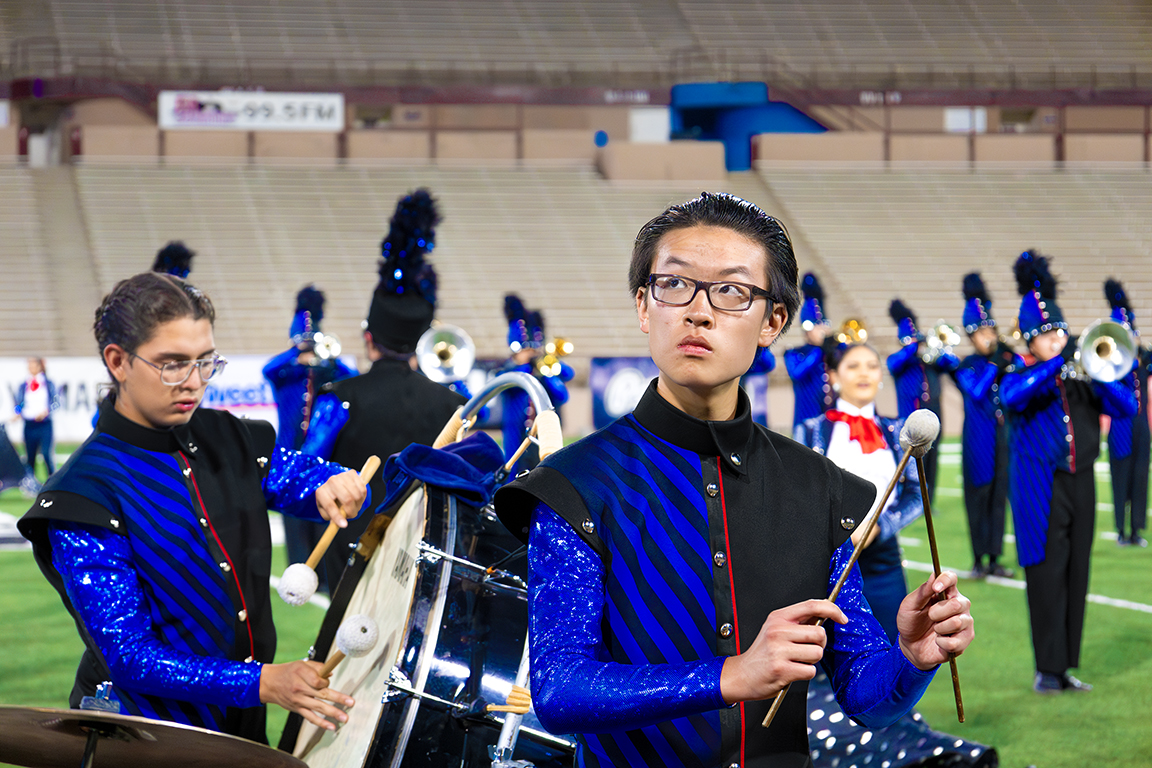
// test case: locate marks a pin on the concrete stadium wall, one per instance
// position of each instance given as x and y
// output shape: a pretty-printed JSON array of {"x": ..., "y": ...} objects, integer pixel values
[
  {"x": 205, "y": 146},
  {"x": 273, "y": 146},
  {"x": 1029, "y": 149},
  {"x": 1104, "y": 148},
  {"x": 558, "y": 144},
  {"x": 111, "y": 143},
  {"x": 833, "y": 146},
  {"x": 674, "y": 161},
  {"x": 927, "y": 148},
  {"x": 476, "y": 145},
  {"x": 375, "y": 144}
]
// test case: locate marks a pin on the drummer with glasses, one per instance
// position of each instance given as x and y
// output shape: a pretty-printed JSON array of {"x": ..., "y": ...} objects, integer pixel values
[{"x": 155, "y": 533}]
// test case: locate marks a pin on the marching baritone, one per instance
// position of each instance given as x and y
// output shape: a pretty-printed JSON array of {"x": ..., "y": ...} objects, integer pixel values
[
  {"x": 984, "y": 442},
  {"x": 1055, "y": 439},
  {"x": 392, "y": 405},
  {"x": 1129, "y": 441},
  {"x": 917, "y": 377},
  {"x": 811, "y": 388},
  {"x": 155, "y": 532},
  {"x": 679, "y": 555}
]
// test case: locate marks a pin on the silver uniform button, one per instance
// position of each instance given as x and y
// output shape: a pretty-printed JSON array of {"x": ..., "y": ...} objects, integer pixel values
[
  {"x": 848, "y": 523},
  {"x": 1068, "y": 438},
  {"x": 712, "y": 489},
  {"x": 725, "y": 630},
  {"x": 719, "y": 559},
  {"x": 204, "y": 522},
  {"x": 588, "y": 526},
  {"x": 1067, "y": 418},
  {"x": 225, "y": 567},
  {"x": 522, "y": 473},
  {"x": 249, "y": 660},
  {"x": 735, "y": 459},
  {"x": 243, "y": 615}
]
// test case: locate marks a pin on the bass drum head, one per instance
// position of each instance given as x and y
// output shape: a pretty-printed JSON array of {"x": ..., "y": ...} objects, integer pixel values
[{"x": 384, "y": 592}]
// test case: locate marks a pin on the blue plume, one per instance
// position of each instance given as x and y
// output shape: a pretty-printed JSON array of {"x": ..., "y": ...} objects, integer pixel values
[
  {"x": 1032, "y": 273},
  {"x": 411, "y": 234}
]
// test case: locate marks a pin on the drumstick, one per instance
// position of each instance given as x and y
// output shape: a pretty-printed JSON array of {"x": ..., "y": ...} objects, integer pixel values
[
  {"x": 936, "y": 571},
  {"x": 299, "y": 582},
  {"x": 916, "y": 437}
]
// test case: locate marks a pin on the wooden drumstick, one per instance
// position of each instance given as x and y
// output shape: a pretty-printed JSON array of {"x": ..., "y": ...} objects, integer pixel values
[
  {"x": 920, "y": 430},
  {"x": 936, "y": 571},
  {"x": 299, "y": 582},
  {"x": 366, "y": 473}
]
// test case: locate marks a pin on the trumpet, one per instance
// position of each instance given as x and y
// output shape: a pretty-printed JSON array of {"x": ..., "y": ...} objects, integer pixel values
[
  {"x": 940, "y": 342},
  {"x": 1105, "y": 351},
  {"x": 445, "y": 353},
  {"x": 549, "y": 363},
  {"x": 852, "y": 331}
]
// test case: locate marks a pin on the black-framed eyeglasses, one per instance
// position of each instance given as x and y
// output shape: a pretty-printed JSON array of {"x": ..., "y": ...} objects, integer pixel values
[
  {"x": 725, "y": 295},
  {"x": 176, "y": 372}
]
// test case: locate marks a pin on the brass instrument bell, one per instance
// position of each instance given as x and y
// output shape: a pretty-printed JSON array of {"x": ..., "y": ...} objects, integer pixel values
[
  {"x": 445, "y": 353},
  {"x": 549, "y": 363},
  {"x": 852, "y": 331},
  {"x": 1106, "y": 351},
  {"x": 940, "y": 341}
]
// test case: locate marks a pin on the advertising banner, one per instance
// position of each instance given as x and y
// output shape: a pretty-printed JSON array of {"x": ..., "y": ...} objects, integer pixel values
[
  {"x": 82, "y": 381},
  {"x": 250, "y": 111}
]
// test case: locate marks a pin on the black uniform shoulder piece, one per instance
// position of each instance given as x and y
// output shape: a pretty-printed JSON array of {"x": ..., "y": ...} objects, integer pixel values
[{"x": 549, "y": 483}]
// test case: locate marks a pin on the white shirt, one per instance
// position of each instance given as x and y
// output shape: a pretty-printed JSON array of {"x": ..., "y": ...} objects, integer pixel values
[
  {"x": 35, "y": 402},
  {"x": 877, "y": 467}
]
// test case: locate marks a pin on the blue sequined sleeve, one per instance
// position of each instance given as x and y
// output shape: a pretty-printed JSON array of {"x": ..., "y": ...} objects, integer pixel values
[
  {"x": 874, "y": 682},
  {"x": 800, "y": 361},
  {"x": 1117, "y": 398},
  {"x": 976, "y": 383},
  {"x": 898, "y": 362},
  {"x": 575, "y": 689},
  {"x": 101, "y": 583},
  {"x": 329, "y": 416},
  {"x": 292, "y": 480},
  {"x": 1017, "y": 389}
]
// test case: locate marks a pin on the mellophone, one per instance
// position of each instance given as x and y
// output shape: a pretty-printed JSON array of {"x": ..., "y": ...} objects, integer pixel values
[{"x": 444, "y": 679}]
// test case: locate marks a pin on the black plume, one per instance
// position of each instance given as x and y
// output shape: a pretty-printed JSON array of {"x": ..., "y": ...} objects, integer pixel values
[
  {"x": 811, "y": 287},
  {"x": 1032, "y": 274},
  {"x": 898, "y": 311},
  {"x": 311, "y": 300},
  {"x": 174, "y": 259},
  {"x": 974, "y": 287},
  {"x": 411, "y": 234},
  {"x": 1114, "y": 292},
  {"x": 514, "y": 308}
]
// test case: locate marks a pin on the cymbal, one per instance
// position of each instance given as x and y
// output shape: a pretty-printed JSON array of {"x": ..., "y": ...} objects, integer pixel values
[{"x": 51, "y": 738}]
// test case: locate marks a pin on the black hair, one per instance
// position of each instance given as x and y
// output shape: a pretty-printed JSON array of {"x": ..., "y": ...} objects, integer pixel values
[
  {"x": 730, "y": 212},
  {"x": 834, "y": 355},
  {"x": 129, "y": 315}
]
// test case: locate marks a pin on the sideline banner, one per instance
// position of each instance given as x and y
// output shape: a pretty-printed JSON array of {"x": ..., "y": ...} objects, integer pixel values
[
  {"x": 250, "y": 111},
  {"x": 82, "y": 381}
]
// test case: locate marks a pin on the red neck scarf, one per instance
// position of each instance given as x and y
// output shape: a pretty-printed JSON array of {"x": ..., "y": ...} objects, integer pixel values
[{"x": 861, "y": 429}]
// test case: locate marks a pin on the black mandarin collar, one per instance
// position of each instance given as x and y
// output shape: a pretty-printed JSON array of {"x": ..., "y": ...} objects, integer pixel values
[
  {"x": 114, "y": 423},
  {"x": 391, "y": 364},
  {"x": 730, "y": 439}
]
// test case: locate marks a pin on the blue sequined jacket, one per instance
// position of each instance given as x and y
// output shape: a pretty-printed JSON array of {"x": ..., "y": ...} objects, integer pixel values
[
  {"x": 1055, "y": 426},
  {"x": 978, "y": 379},
  {"x": 1124, "y": 434},
  {"x": 657, "y": 547},
  {"x": 811, "y": 389},
  {"x": 159, "y": 545},
  {"x": 917, "y": 382},
  {"x": 295, "y": 387}
]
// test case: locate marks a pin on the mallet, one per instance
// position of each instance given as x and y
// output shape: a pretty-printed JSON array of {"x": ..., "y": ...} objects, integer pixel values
[
  {"x": 918, "y": 434},
  {"x": 299, "y": 581},
  {"x": 356, "y": 636}
]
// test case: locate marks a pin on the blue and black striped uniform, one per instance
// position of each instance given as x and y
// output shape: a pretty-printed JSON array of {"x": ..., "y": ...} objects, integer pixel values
[
  {"x": 159, "y": 545},
  {"x": 658, "y": 546}
]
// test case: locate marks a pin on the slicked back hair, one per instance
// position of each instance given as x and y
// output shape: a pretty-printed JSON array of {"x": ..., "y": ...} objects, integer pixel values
[
  {"x": 730, "y": 212},
  {"x": 136, "y": 307}
]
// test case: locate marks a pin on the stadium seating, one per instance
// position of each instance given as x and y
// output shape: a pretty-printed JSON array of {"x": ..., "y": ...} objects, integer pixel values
[{"x": 28, "y": 303}]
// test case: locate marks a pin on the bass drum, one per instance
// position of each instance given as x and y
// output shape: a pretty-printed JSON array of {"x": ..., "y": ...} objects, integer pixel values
[{"x": 452, "y": 633}]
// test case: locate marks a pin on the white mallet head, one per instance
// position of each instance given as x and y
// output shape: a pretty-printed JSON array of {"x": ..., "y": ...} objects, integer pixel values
[
  {"x": 921, "y": 429},
  {"x": 298, "y": 584},
  {"x": 357, "y": 635}
]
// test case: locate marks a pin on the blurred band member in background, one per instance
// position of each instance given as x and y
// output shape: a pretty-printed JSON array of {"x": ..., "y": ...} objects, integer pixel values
[
  {"x": 1055, "y": 438},
  {"x": 811, "y": 388},
  {"x": 984, "y": 443},
  {"x": 35, "y": 401}
]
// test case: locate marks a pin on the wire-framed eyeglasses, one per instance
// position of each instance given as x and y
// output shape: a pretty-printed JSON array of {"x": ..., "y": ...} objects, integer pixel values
[
  {"x": 176, "y": 372},
  {"x": 725, "y": 295}
]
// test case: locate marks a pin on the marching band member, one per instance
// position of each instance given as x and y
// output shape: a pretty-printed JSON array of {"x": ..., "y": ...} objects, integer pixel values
[
  {"x": 1055, "y": 439},
  {"x": 35, "y": 400},
  {"x": 984, "y": 443},
  {"x": 722, "y": 537},
  {"x": 526, "y": 343},
  {"x": 296, "y": 376},
  {"x": 155, "y": 532},
  {"x": 811, "y": 389},
  {"x": 392, "y": 405},
  {"x": 1129, "y": 439},
  {"x": 866, "y": 444},
  {"x": 917, "y": 381},
  {"x": 762, "y": 365}
]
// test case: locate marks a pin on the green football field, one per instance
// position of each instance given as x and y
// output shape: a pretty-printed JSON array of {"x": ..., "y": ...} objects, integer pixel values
[{"x": 1108, "y": 726}]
